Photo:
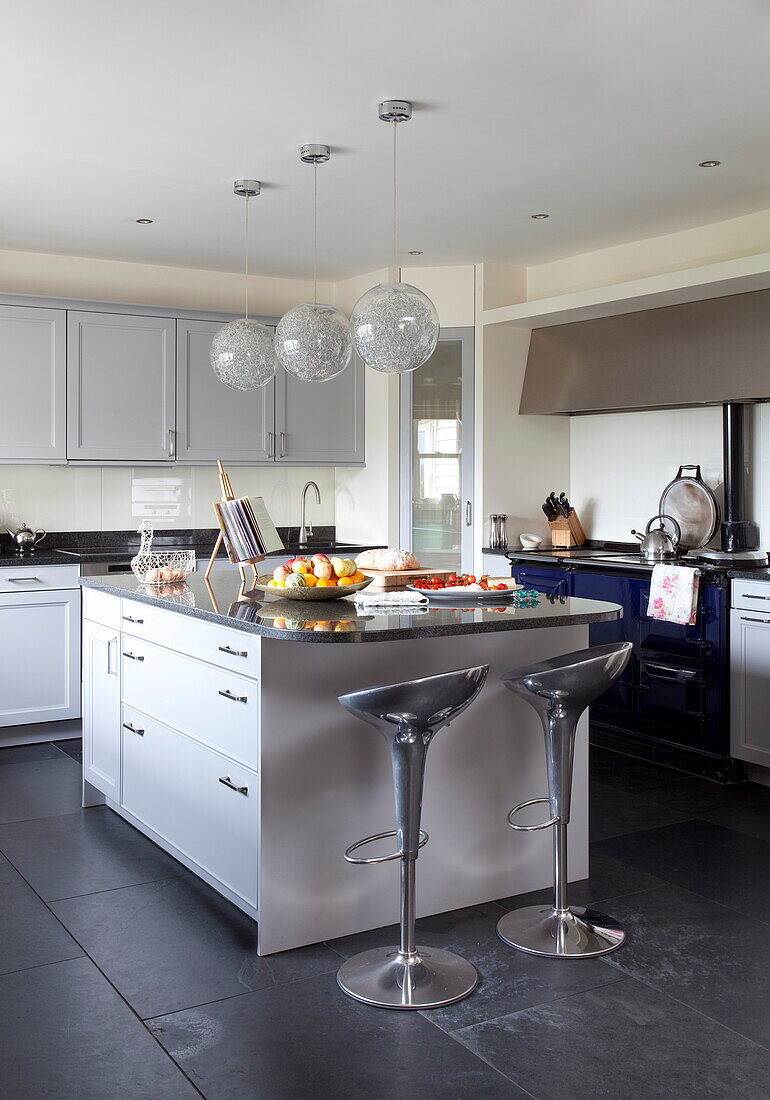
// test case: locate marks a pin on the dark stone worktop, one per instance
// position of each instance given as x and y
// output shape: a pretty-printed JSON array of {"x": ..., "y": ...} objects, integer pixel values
[{"x": 220, "y": 601}]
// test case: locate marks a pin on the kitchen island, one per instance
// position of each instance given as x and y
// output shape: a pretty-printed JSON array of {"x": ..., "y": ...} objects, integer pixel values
[{"x": 211, "y": 723}]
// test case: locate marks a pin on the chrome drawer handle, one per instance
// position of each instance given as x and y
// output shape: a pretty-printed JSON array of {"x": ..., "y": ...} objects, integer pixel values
[
  {"x": 749, "y": 619},
  {"x": 235, "y": 698},
  {"x": 23, "y": 580},
  {"x": 229, "y": 783},
  {"x": 751, "y": 596},
  {"x": 133, "y": 657},
  {"x": 128, "y": 619},
  {"x": 128, "y": 726},
  {"x": 233, "y": 652}
]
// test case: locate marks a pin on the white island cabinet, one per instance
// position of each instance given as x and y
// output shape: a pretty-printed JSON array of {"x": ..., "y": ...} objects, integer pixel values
[
  {"x": 750, "y": 671},
  {"x": 212, "y": 724}
]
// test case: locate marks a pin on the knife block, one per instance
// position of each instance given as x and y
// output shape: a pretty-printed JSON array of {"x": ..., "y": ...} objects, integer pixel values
[{"x": 567, "y": 533}]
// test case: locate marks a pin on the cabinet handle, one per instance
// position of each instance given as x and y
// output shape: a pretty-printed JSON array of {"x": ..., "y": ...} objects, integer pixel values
[
  {"x": 227, "y": 781},
  {"x": 283, "y": 445},
  {"x": 23, "y": 580},
  {"x": 233, "y": 652},
  {"x": 128, "y": 726},
  {"x": 749, "y": 619},
  {"x": 132, "y": 657},
  {"x": 110, "y": 671},
  {"x": 128, "y": 619},
  {"x": 171, "y": 443},
  {"x": 751, "y": 596},
  {"x": 669, "y": 672},
  {"x": 235, "y": 698},
  {"x": 468, "y": 513},
  {"x": 271, "y": 444}
]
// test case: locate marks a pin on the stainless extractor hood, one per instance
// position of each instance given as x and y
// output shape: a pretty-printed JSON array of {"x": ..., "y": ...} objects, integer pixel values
[{"x": 706, "y": 353}]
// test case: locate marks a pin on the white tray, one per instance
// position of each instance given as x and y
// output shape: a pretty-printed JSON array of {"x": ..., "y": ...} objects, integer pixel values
[{"x": 462, "y": 593}]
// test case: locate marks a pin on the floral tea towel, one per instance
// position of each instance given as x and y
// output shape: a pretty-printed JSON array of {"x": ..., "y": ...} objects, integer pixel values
[{"x": 674, "y": 594}]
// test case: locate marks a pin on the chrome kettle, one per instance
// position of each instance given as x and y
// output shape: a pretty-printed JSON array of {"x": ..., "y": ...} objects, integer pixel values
[
  {"x": 659, "y": 545},
  {"x": 24, "y": 540}
]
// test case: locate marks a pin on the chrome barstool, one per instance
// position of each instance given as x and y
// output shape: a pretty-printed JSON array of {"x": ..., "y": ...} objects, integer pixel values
[
  {"x": 560, "y": 690},
  {"x": 409, "y": 715}
]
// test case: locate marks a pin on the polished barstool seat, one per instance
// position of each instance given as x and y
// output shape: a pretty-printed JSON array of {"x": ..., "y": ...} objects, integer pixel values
[
  {"x": 409, "y": 715},
  {"x": 560, "y": 690}
]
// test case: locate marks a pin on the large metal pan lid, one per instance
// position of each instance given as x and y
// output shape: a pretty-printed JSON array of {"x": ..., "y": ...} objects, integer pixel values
[{"x": 693, "y": 505}]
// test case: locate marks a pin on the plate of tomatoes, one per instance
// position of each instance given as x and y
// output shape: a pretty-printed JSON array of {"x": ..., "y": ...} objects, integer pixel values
[{"x": 465, "y": 586}]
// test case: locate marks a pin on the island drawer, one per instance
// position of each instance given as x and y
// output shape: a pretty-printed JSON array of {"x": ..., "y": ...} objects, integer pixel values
[
  {"x": 202, "y": 804},
  {"x": 232, "y": 649},
  {"x": 28, "y": 577},
  {"x": 205, "y": 702},
  {"x": 751, "y": 595}
]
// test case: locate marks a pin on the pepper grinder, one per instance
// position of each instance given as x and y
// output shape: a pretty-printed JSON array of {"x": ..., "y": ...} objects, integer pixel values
[{"x": 498, "y": 533}]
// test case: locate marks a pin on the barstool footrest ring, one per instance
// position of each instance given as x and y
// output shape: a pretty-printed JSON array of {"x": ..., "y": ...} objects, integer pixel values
[
  {"x": 530, "y": 828},
  {"x": 379, "y": 859}
]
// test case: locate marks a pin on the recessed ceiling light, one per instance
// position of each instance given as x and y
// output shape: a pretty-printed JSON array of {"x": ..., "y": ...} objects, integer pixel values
[
  {"x": 144, "y": 221},
  {"x": 415, "y": 252},
  {"x": 709, "y": 163},
  {"x": 539, "y": 217}
]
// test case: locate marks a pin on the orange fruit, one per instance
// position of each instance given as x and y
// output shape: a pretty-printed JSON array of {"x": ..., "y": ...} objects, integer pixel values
[
  {"x": 356, "y": 578},
  {"x": 324, "y": 583},
  {"x": 310, "y": 580}
]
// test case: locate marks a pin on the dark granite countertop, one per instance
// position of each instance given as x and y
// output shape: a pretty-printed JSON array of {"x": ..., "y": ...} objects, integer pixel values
[
  {"x": 761, "y": 574},
  {"x": 220, "y": 601}
]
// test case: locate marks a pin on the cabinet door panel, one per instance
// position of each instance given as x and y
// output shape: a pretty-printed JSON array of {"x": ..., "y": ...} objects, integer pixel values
[
  {"x": 120, "y": 387},
  {"x": 750, "y": 686},
  {"x": 33, "y": 401},
  {"x": 39, "y": 657},
  {"x": 101, "y": 708},
  {"x": 321, "y": 422},
  {"x": 213, "y": 420}
]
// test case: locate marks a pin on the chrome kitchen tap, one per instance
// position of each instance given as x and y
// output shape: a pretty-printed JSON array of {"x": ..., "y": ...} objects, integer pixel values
[{"x": 306, "y": 529}]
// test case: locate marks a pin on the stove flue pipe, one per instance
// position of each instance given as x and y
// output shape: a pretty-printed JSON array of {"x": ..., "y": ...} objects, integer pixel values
[{"x": 737, "y": 532}]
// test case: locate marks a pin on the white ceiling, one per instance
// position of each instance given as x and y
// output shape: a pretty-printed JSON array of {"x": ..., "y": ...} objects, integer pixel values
[{"x": 596, "y": 111}]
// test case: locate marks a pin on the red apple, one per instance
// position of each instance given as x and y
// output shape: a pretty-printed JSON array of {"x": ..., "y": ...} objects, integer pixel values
[{"x": 318, "y": 557}]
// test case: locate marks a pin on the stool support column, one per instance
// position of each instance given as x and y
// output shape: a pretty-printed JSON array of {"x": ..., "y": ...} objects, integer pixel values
[
  {"x": 407, "y": 905},
  {"x": 560, "y": 868}
]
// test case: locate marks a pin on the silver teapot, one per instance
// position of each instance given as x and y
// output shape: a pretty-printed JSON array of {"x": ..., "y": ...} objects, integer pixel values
[
  {"x": 24, "y": 541},
  {"x": 659, "y": 545}
]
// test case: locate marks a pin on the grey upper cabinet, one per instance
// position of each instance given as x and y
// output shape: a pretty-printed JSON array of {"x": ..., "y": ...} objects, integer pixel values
[
  {"x": 33, "y": 368},
  {"x": 321, "y": 423},
  {"x": 212, "y": 420},
  {"x": 120, "y": 387}
]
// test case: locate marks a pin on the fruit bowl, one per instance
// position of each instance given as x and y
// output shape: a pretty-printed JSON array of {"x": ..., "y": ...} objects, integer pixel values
[{"x": 334, "y": 592}]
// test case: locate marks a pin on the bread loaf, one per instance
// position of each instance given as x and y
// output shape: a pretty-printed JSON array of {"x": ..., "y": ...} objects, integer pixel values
[{"x": 387, "y": 559}]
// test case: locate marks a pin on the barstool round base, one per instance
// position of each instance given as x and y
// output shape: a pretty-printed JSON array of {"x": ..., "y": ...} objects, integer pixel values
[
  {"x": 576, "y": 934},
  {"x": 386, "y": 978}
]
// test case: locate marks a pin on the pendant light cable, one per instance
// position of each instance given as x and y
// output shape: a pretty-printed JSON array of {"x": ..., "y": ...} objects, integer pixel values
[
  {"x": 315, "y": 234},
  {"x": 396, "y": 268},
  {"x": 246, "y": 272}
]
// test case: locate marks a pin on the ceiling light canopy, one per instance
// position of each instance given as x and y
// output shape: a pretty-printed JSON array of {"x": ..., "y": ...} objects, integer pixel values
[
  {"x": 242, "y": 353},
  {"x": 312, "y": 341},
  {"x": 394, "y": 325}
]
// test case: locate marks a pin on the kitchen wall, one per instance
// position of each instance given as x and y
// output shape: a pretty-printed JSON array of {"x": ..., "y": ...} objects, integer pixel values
[{"x": 118, "y": 498}]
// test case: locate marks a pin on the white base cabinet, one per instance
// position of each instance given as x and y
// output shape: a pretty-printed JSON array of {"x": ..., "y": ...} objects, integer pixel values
[
  {"x": 101, "y": 708},
  {"x": 750, "y": 672},
  {"x": 39, "y": 651}
]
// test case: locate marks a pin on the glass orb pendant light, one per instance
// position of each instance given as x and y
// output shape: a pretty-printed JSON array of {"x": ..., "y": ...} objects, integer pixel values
[
  {"x": 312, "y": 341},
  {"x": 394, "y": 325},
  {"x": 242, "y": 353}
]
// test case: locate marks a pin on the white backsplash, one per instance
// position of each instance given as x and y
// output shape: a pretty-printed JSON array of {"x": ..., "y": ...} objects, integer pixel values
[{"x": 118, "y": 498}]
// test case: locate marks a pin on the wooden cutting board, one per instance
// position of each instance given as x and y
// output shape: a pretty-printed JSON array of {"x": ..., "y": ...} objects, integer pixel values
[{"x": 399, "y": 578}]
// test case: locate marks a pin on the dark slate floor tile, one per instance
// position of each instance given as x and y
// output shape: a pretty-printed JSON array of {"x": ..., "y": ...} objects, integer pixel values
[
  {"x": 67, "y": 1035},
  {"x": 307, "y": 1040},
  {"x": 508, "y": 980},
  {"x": 7, "y": 872},
  {"x": 707, "y": 956},
  {"x": 607, "y": 878},
  {"x": 29, "y": 754},
  {"x": 173, "y": 944},
  {"x": 42, "y": 789},
  {"x": 751, "y": 820},
  {"x": 615, "y": 769},
  {"x": 30, "y": 935},
  {"x": 71, "y": 746},
  {"x": 81, "y": 853},
  {"x": 728, "y": 867},
  {"x": 619, "y": 1041},
  {"x": 616, "y": 812}
]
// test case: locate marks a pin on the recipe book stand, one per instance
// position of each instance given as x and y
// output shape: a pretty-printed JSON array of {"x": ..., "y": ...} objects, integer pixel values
[{"x": 242, "y": 563}]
